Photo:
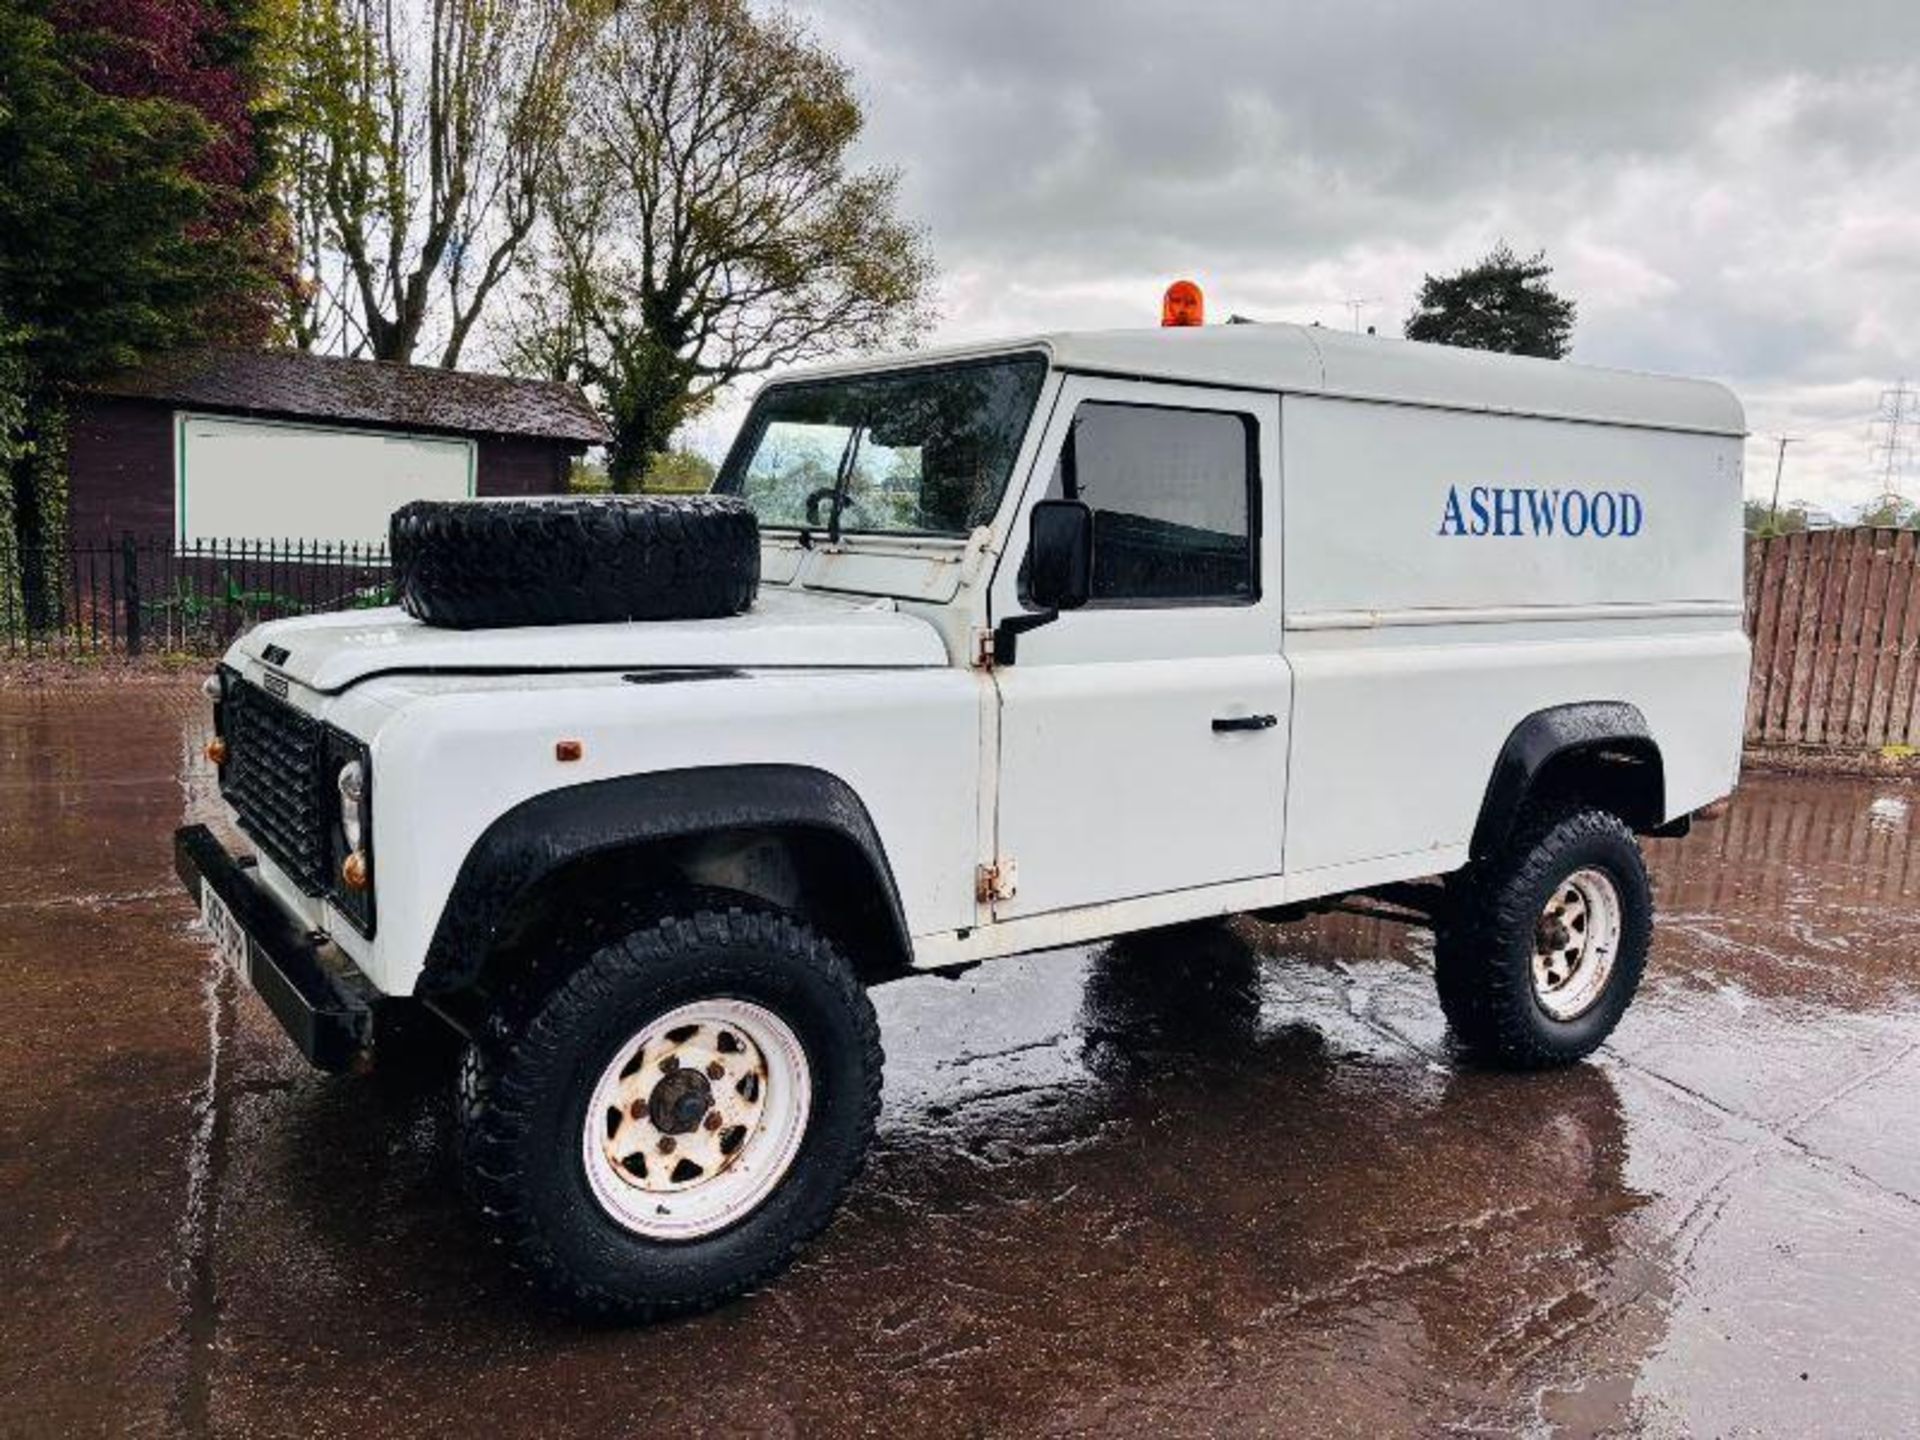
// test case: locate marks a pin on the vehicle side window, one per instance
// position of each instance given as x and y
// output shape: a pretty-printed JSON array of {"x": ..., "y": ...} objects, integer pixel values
[{"x": 1173, "y": 500}]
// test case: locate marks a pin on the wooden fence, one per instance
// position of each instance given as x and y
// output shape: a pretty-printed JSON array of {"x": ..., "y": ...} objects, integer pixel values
[{"x": 1835, "y": 620}]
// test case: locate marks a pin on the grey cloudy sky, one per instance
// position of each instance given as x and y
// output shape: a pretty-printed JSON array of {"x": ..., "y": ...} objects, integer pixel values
[{"x": 1727, "y": 189}]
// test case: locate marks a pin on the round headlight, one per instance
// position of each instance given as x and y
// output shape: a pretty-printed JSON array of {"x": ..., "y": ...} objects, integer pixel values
[
  {"x": 353, "y": 791},
  {"x": 210, "y": 687}
]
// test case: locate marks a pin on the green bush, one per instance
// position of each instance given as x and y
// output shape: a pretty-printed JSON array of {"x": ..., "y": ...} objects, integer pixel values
[
  {"x": 678, "y": 472},
  {"x": 13, "y": 424},
  {"x": 675, "y": 472}
]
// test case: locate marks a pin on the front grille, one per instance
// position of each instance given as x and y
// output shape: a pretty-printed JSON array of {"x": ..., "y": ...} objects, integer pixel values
[{"x": 275, "y": 779}]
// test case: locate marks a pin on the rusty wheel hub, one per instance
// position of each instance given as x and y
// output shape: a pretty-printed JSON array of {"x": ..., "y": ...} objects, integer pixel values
[
  {"x": 1575, "y": 941},
  {"x": 696, "y": 1118},
  {"x": 680, "y": 1102}
]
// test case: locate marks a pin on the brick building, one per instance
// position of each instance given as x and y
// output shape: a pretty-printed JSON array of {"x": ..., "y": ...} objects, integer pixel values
[{"x": 283, "y": 445}]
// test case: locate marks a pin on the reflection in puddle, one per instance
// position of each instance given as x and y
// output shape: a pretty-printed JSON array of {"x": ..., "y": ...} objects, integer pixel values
[
  {"x": 1226, "y": 1176},
  {"x": 1786, "y": 839},
  {"x": 1888, "y": 812},
  {"x": 1214, "y": 1178}
]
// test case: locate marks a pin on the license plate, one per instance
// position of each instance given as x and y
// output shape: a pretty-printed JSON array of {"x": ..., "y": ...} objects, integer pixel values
[{"x": 228, "y": 938}]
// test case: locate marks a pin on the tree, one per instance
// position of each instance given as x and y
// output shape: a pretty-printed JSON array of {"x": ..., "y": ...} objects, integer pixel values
[
  {"x": 1501, "y": 303},
  {"x": 125, "y": 223},
  {"x": 217, "y": 58},
  {"x": 112, "y": 201},
  {"x": 1762, "y": 522},
  {"x": 419, "y": 140},
  {"x": 705, "y": 224},
  {"x": 1891, "y": 512}
]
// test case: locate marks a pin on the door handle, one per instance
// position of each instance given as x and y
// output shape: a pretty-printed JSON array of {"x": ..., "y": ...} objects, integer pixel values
[{"x": 1223, "y": 723}]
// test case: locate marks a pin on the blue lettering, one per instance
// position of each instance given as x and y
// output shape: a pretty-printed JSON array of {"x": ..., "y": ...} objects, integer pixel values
[
  {"x": 1506, "y": 512},
  {"x": 1567, "y": 513},
  {"x": 1522, "y": 510},
  {"x": 1540, "y": 505},
  {"x": 1613, "y": 513}
]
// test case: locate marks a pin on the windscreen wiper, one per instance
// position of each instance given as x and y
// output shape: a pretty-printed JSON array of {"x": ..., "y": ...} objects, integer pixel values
[{"x": 847, "y": 458}]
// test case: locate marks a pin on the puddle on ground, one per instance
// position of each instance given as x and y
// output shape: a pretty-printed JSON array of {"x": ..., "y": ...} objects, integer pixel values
[{"x": 1220, "y": 1176}]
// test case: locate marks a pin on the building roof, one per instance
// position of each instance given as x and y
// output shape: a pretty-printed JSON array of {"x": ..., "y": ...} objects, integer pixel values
[
  {"x": 322, "y": 387},
  {"x": 1300, "y": 359}
]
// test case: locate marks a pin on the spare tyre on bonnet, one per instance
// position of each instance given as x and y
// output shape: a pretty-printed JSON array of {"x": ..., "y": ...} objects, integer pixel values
[{"x": 478, "y": 564}]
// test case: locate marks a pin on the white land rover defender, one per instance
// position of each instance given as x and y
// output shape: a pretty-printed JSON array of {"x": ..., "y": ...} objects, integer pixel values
[{"x": 972, "y": 653}]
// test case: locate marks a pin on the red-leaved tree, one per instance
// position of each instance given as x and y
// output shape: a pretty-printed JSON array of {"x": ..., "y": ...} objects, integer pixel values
[{"x": 211, "y": 57}]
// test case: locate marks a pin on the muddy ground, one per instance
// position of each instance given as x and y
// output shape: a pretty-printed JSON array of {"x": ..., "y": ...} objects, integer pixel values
[{"x": 1218, "y": 1178}]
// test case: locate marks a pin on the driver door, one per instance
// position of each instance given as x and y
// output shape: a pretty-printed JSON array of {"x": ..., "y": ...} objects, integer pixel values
[{"x": 1143, "y": 739}]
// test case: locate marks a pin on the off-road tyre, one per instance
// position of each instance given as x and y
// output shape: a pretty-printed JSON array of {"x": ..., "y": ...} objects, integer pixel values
[
  {"x": 472, "y": 564},
  {"x": 525, "y": 1085},
  {"x": 1484, "y": 944}
]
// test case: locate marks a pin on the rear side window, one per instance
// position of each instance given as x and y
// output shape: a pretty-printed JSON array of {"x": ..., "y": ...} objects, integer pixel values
[{"x": 1173, "y": 500}]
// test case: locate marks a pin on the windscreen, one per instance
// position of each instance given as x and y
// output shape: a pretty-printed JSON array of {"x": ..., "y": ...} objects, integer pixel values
[{"x": 924, "y": 451}]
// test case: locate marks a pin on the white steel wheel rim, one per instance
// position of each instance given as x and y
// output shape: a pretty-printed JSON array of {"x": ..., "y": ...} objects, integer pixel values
[
  {"x": 678, "y": 1158},
  {"x": 1575, "y": 943}
]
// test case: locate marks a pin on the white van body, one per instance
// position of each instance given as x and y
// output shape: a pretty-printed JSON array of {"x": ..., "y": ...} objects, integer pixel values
[
  {"x": 1447, "y": 542},
  {"x": 1103, "y": 632}
]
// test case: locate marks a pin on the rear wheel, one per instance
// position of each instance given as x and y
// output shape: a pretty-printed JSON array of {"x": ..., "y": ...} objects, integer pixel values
[
  {"x": 1545, "y": 941},
  {"x": 667, "y": 1126}
]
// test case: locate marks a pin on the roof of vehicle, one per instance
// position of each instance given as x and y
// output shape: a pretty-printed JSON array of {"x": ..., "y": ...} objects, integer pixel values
[{"x": 1311, "y": 360}]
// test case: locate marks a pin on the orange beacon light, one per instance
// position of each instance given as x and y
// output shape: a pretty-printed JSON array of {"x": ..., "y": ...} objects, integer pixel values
[{"x": 1183, "y": 304}]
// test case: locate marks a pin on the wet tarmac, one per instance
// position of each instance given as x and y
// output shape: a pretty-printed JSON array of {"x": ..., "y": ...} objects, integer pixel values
[{"x": 1224, "y": 1178}]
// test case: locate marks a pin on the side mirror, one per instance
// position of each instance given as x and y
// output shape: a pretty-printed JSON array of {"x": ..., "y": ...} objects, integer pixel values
[{"x": 1060, "y": 554}]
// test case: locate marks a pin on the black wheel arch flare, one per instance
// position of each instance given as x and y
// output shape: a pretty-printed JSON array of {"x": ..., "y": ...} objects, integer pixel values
[
  {"x": 529, "y": 842},
  {"x": 1557, "y": 734}
]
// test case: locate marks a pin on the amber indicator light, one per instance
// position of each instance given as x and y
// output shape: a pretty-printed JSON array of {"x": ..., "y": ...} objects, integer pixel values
[{"x": 1183, "y": 305}]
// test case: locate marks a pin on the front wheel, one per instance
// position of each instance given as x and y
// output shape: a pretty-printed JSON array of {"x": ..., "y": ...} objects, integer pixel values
[
  {"x": 1545, "y": 942},
  {"x": 667, "y": 1126}
]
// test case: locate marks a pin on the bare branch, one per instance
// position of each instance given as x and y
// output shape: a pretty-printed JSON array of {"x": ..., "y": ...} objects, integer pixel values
[
  {"x": 727, "y": 235},
  {"x": 426, "y": 128}
]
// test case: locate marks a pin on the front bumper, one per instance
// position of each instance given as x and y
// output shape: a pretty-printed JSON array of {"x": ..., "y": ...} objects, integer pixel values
[{"x": 326, "y": 1009}]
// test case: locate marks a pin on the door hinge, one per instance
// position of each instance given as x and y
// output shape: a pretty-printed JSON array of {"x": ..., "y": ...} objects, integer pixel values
[
  {"x": 998, "y": 881},
  {"x": 983, "y": 650}
]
